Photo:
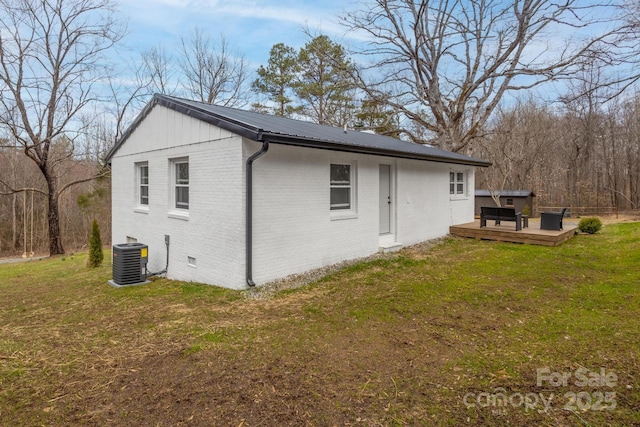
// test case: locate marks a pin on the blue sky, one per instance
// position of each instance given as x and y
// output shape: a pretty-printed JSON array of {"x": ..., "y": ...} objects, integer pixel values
[{"x": 251, "y": 27}]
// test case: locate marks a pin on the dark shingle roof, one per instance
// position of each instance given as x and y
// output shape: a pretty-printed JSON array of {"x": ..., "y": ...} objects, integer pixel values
[{"x": 281, "y": 130}]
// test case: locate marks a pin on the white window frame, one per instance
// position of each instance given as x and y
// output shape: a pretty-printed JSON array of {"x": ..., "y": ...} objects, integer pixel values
[
  {"x": 140, "y": 184},
  {"x": 177, "y": 209},
  {"x": 458, "y": 184},
  {"x": 337, "y": 211}
]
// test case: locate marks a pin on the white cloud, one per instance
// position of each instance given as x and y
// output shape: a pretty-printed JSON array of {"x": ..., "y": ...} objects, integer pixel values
[
  {"x": 293, "y": 12},
  {"x": 252, "y": 27}
]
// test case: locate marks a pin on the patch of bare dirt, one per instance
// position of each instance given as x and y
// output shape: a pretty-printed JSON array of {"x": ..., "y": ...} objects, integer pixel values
[{"x": 346, "y": 379}]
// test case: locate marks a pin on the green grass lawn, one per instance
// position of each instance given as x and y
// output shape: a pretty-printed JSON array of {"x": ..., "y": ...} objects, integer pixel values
[{"x": 464, "y": 333}]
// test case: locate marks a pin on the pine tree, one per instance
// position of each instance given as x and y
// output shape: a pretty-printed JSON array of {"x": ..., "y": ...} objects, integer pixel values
[
  {"x": 326, "y": 87},
  {"x": 95, "y": 246},
  {"x": 277, "y": 79},
  {"x": 376, "y": 116}
]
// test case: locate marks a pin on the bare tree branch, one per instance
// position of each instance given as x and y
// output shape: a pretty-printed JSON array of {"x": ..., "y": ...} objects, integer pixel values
[
  {"x": 50, "y": 61},
  {"x": 11, "y": 191},
  {"x": 213, "y": 72},
  {"x": 457, "y": 59}
]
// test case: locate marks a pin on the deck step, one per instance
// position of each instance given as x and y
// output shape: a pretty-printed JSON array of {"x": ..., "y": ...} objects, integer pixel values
[{"x": 386, "y": 248}]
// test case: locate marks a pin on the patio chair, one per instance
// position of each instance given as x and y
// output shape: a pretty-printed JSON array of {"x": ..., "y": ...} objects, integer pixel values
[{"x": 552, "y": 220}]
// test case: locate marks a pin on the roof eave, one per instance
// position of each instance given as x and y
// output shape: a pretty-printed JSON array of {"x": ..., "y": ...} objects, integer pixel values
[
  {"x": 256, "y": 134},
  {"x": 336, "y": 146}
]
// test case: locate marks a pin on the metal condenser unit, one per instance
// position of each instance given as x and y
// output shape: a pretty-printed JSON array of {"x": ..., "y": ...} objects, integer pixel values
[{"x": 129, "y": 264}]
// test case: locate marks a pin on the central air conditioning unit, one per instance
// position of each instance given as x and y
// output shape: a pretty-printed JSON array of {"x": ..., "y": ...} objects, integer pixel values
[{"x": 129, "y": 264}]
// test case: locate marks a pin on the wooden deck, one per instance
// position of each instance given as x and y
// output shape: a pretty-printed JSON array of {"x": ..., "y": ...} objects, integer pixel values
[{"x": 506, "y": 232}]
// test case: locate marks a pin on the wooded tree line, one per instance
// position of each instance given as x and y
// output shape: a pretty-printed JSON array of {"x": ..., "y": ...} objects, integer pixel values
[
  {"x": 23, "y": 214},
  {"x": 569, "y": 157},
  {"x": 466, "y": 76}
]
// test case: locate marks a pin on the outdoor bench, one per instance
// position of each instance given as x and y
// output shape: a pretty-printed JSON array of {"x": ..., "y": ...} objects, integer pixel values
[{"x": 500, "y": 214}]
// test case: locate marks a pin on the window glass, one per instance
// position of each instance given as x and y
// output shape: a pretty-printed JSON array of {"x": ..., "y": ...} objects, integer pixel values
[
  {"x": 182, "y": 197},
  {"x": 340, "y": 184},
  {"x": 182, "y": 173},
  {"x": 144, "y": 194},
  {"x": 340, "y": 198},
  {"x": 456, "y": 183},
  {"x": 143, "y": 177},
  {"x": 144, "y": 174},
  {"x": 340, "y": 174},
  {"x": 182, "y": 185}
]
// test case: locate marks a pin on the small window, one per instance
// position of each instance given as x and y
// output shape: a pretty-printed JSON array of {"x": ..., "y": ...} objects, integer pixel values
[
  {"x": 341, "y": 187},
  {"x": 142, "y": 185},
  {"x": 452, "y": 183},
  {"x": 181, "y": 184},
  {"x": 143, "y": 177},
  {"x": 457, "y": 183},
  {"x": 509, "y": 202}
]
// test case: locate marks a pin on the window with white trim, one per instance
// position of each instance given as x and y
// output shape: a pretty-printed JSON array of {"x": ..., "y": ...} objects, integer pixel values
[
  {"x": 457, "y": 183},
  {"x": 180, "y": 180},
  {"x": 341, "y": 187},
  {"x": 142, "y": 173}
]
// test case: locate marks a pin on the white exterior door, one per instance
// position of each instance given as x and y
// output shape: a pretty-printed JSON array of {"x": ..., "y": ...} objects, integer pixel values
[{"x": 385, "y": 199}]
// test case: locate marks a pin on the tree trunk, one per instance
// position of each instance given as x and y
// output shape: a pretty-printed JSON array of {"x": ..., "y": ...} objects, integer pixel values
[
  {"x": 53, "y": 216},
  {"x": 14, "y": 203},
  {"x": 14, "y": 222}
]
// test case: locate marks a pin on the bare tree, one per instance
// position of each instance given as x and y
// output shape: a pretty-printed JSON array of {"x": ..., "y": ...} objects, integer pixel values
[
  {"x": 211, "y": 71},
  {"x": 159, "y": 71},
  {"x": 515, "y": 145},
  {"x": 50, "y": 63},
  {"x": 627, "y": 48},
  {"x": 447, "y": 64},
  {"x": 125, "y": 98},
  {"x": 631, "y": 154},
  {"x": 585, "y": 124}
]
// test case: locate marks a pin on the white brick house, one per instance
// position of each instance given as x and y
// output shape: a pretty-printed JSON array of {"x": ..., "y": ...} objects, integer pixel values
[{"x": 248, "y": 198}]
